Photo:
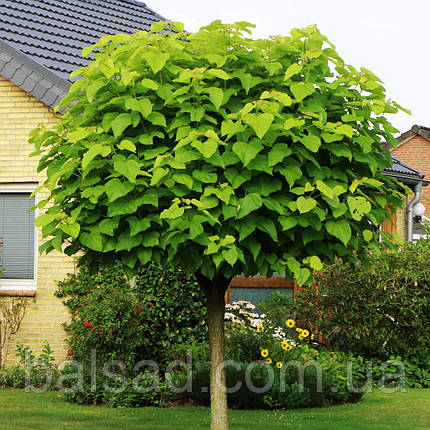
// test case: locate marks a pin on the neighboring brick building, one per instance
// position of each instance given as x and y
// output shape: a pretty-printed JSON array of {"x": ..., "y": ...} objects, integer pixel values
[
  {"x": 40, "y": 44},
  {"x": 413, "y": 148}
]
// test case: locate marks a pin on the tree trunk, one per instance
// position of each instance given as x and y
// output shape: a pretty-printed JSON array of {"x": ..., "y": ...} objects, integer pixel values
[{"x": 215, "y": 291}]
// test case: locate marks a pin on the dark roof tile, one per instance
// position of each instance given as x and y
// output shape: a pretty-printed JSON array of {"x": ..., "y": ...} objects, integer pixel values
[{"x": 53, "y": 32}]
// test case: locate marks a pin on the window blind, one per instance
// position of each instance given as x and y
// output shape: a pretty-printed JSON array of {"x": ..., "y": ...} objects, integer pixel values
[{"x": 18, "y": 231}]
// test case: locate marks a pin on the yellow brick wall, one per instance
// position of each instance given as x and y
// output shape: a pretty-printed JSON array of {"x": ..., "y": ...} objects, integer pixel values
[{"x": 19, "y": 114}]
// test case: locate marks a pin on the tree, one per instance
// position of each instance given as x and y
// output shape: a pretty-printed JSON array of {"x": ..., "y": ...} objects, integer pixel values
[{"x": 221, "y": 154}]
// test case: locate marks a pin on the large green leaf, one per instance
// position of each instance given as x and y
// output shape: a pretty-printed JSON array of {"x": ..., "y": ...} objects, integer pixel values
[
  {"x": 95, "y": 150},
  {"x": 156, "y": 60},
  {"x": 302, "y": 90},
  {"x": 247, "y": 151},
  {"x": 305, "y": 204},
  {"x": 129, "y": 168},
  {"x": 339, "y": 229},
  {"x": 278, "y": 152},
  {"x": 259, "y": 122},
  {"x": 120, "y": 123},
  {"x": 249, "y": 204},
  {"x": 216, "y": 96},
  {"x": 116, "y": 189},
  {"x": 173, "y": 212}
]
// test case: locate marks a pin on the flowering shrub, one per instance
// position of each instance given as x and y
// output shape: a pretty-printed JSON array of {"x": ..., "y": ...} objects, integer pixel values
[{"x": 129, "y": 322}]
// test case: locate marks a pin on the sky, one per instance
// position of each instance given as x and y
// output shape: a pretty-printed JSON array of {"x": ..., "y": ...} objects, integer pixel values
[{"x": 389, "y": 37}]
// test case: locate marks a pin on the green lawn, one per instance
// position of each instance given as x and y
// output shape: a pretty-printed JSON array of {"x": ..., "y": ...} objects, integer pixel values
[{"x": 410, "y": 411}]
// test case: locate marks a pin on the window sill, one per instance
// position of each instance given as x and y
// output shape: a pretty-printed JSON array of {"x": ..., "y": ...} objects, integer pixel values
[{"x": 18, "y": 287}]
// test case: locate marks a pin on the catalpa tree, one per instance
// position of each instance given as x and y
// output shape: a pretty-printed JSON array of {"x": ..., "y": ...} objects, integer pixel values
[{"x": 218, "y": 153}]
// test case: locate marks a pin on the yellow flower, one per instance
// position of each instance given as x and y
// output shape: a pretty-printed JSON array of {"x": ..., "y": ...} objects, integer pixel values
[
  {"x": 312, "y": 336},
  {"x": 316, "y": 352},
  {"x": 264, "y": 353},
  {"x": 305, "y": 333},
  {"x": 298, "y": 330},
  {"x": 301, "y": 337},
  {"x": 285, "y": 344},
  {"x": 289, "y": 348},
  {"x": 290, "y": 323},
  {"x": 278, "y": 364},
  {"x": 260, "y": 328},
  {"x": 268, "y": 360}
]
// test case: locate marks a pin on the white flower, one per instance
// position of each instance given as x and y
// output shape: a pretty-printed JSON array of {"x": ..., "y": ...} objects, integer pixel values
[{"x": 250, "y": 306}]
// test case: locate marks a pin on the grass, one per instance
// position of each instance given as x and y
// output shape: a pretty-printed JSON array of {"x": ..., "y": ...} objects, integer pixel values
[{"x": 377, "y": 411}]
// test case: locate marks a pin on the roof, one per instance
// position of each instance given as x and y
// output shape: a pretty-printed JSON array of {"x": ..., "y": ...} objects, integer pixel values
[
  {"x": 404, "y": 173},
  {"x": 414, "y": 131},
  {"x": 41, "y": 41}
]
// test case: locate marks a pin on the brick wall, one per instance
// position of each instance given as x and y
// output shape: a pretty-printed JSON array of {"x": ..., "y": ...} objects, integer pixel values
[
  {"x": 416, "y": 153},
  {"x": 19, "y": 114}
]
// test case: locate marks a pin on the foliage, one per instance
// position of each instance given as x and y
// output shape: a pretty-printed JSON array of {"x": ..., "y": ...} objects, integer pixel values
[
  {"x": 377, "y": 309},
  {"x": 42, "y": 372},
  {"x": 217, "y": 152},
  {"x": 12, "y": 312},
  {"x": 254, "y": 338},
  {"x": 144, "y": 319}
]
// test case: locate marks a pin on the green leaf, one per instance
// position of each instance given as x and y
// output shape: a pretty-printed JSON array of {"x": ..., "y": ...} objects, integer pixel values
[
  {"x": 216, "y": 96},
  {"x": 368, "y": 235},
  {"x": 94, "y": 87},
  {"x": 302, "y": 276},
  {"x": 71, "y": 229},
  {"x": 259, "y": 122},
  {"x": 129, "y": 168},
  {"x": 173, "y": 212},
  {"x": 95, "y": 150},
  {"x": 150, "y": 239},
  {"x": 207, "y": 148},
  {"x": 315, "y": 263},
  {"x": 311, "y": 142},
  {"x": 231, "y": 255},
  {"x": 293, "y": 70},
  {"x": 249, "y": 204},
  {"x": 157, "y": 118},
  {"x": 278, "y": 152},
  {"x": 293, "y": 122},
  {"x": 302, "y": 90},
  {"x": 149, "y": 83},
  {"x": 339, "y": 229},
  {"x": 108, "y": 226},
  {"x": 358, "y": 207},
  {"x": 218, "y": 73},
  {"x": 247, "y": 151},
  {"x": 345, "y": 129},
  {"x": 245, "y": 228},
  {"x": 128, "y": 145},
  {"x": 143, "y": 106},
  {"x": 287, "y": 222},
  {"x": 120, "y": 123},
  {"x": 93, "y": 240},
  {"x": 340, "y": 150},
  {"x": 116, "y": 189},
  {"x": 268, "y": 226},
  {"x": 205, "y": 177},
  {"x": 45, "y": 219},
  {"x": 156, "y": 60},
  {"x": 158, "y": 174},
  {"x": 305, "y": 204},
  {"x": 325, "y": 189},
  {"x": 291, "y": 173}
]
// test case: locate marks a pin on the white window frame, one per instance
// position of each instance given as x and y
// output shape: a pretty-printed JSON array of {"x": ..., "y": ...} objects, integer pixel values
[{"x": 22, "y": 286}]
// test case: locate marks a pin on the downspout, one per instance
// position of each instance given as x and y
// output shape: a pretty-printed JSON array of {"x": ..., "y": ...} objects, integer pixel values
[{"x": 410, "y": 210}]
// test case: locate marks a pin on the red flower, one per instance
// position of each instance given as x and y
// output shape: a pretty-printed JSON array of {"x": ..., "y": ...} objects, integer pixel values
[
  {"x": 85, "y": 341},
  {"x": 136, "y": 312},
  {"x": 69, "y": 352},
  {"x": 100, "y": 329},
  {"x": 110, "y": 330},
  {"x": 139, "y": 308}
]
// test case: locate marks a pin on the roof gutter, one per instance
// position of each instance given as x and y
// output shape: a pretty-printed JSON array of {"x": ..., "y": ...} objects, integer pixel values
[{"x": 410, "y": 210}]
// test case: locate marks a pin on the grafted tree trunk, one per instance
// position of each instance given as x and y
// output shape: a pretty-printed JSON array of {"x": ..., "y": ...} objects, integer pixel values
[{"x": 215, "y": 291}]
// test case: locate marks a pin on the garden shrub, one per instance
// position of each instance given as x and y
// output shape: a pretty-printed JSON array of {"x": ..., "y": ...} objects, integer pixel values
[
  {"x": 258, "y": 339},
  {"x": 379, "y": 308},
  {"x": 143, "y": 319}
]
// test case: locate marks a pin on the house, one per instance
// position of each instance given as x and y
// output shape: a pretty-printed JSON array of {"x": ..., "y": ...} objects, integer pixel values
[
  {"x": 40, "y": 44},
  {"x": 413, "y": 148}
]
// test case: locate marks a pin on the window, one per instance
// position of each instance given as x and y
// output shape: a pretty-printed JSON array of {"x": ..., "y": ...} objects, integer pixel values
[{"x": 18, "y": 258}]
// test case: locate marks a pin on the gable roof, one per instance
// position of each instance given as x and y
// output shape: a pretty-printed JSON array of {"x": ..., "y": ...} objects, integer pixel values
[
  {"x": 416, "y": 130},
  {"x": 41, "y": 41}
]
